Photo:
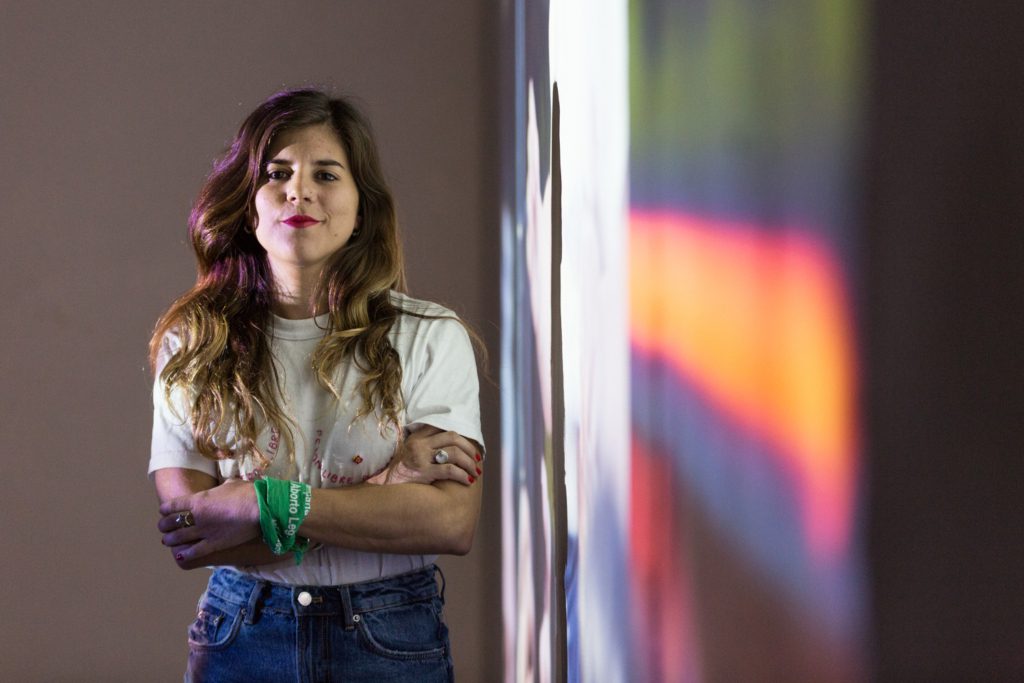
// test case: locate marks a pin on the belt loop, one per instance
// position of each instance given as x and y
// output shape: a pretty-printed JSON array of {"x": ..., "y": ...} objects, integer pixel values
[
  {"x": 254, "y": 599},
  {"x": 437, "y": 570},
  {"x": 346, "y": 606}
]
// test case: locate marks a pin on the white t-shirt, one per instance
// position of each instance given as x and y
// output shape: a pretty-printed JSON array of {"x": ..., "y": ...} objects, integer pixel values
[{"x": 439, "y": 388}]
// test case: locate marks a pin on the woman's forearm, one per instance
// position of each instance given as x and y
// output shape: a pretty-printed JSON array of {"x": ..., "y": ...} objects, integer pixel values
[
  {"x": 411, "y": 518},
  {"x": 434, "y": 511},
  {"x": 438, "y": 518}
]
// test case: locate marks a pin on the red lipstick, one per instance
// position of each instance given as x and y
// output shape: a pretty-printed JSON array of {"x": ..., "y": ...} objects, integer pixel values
[{"x": 300, "y": 221}]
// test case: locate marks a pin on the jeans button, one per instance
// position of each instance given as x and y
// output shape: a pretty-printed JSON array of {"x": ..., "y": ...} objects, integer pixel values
[{"x": 305, "y": 598}]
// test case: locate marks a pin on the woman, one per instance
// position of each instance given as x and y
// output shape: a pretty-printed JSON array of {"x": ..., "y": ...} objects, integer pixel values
[{"x": 292, "y": 381}]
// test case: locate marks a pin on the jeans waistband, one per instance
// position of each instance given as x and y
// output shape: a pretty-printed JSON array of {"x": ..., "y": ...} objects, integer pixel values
[{"x": 257, "y": 596}]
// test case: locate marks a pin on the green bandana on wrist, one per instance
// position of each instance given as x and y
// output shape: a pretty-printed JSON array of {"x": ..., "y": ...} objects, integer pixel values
[{"x": 283, "y": 506}]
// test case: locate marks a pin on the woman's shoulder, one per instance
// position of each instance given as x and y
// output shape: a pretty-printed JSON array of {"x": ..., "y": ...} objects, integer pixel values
[
  {"x": 424, "y": 324},
  {"x": 170, "y": 343},
  {"x": 420, "y": 307}
]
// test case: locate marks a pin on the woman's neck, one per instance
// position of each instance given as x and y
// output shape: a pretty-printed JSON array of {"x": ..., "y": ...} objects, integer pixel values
[{"x": 293, "y": 294}]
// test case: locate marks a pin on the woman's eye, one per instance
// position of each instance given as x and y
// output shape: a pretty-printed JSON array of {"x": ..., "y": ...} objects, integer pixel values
[
  {"x": 277, "y": 175},
  {"x": 328, "y": 176}
]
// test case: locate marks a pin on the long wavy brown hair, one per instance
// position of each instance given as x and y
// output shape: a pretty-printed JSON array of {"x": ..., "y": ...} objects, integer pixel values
[{"x": 224, "y": 362}]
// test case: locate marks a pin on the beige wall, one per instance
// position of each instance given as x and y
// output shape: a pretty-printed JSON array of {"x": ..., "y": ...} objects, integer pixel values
[{"x": 110, "y": 114}]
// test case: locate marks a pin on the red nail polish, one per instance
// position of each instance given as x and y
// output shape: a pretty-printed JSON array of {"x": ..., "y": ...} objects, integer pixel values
[
  {"x": 479, "y": 471},
  {"x": 471, "y": 479},
  {"x": 478, "y": 458},
  {"x": 179, "y": 557}
]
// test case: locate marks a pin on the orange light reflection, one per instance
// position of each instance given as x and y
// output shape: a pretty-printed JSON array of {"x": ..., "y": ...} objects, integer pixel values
[{"x": 759, "y": 323}]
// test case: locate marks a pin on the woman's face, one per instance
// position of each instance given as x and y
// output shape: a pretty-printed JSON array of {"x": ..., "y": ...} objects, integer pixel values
[{"x": 306, "y": 175}]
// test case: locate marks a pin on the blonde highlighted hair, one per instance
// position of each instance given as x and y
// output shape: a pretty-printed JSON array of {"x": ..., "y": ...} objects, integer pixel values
[{"x": 224, "y": 361}]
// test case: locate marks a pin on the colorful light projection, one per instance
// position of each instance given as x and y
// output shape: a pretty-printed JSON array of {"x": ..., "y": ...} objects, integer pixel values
[
  {"x": 757, "y": 324},
  {"x": 745, "y": 544},
  {"x": 729, "y": 548}
]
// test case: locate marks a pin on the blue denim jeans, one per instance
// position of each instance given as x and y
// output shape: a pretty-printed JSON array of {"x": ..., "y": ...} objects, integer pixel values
[{"x": 386, "y": 630}]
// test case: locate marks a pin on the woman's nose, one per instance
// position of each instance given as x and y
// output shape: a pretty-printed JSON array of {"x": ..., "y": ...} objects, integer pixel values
[{"x": 297, "y": 190}]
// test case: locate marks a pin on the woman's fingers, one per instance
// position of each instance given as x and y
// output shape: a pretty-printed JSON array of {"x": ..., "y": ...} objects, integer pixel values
[
  {"x": 178, "y": 524},
  {"x": 447, "y": 440},
  {"x": 185, "y": 555},
  {"x": 461, "y": 453},
  {"x": 181, "y": 536},
  {"x": 414, "y": 461},
  {"x": 460, "y": 467},
  {"x": 458, "y": 473},
  {"x": 178, "y": 527},
  {"x": 177, "y": 519}
]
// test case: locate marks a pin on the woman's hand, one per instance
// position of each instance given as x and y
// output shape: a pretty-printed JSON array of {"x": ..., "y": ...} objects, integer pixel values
[
  {"x": 222, "y": 517},
  {"x": 414, "y": 460}
]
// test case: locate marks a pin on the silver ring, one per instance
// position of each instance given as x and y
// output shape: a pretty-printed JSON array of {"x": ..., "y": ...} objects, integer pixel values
[
  {"x": 441, "y": 456},
  {"x": 185, "y": 519}
]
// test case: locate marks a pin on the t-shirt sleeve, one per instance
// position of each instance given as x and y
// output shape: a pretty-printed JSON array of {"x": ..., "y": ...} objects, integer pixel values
[
  {"x": 445, "y": 390},
  {"x": 172, "y": 444}
]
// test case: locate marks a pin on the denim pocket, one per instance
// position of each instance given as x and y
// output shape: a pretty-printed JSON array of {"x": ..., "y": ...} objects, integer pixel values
[
  {"x": 412, "y": 630},
  {"x": 216, "y": 624}
]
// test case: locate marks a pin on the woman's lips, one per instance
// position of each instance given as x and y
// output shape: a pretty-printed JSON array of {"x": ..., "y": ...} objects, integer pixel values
[{"x": 301, "y": 221}]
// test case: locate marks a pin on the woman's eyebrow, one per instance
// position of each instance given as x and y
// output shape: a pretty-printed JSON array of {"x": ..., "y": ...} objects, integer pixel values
[{"x": 320, "y": 162}]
